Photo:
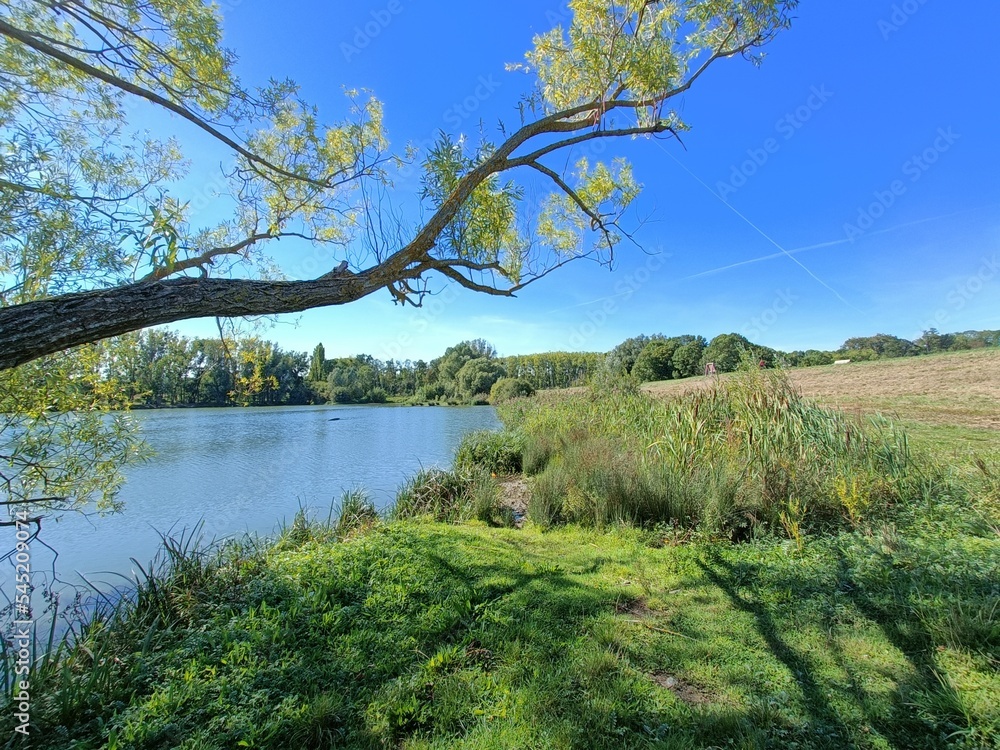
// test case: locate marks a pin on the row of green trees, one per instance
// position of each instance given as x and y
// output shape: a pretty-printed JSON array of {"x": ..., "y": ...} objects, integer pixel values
[
  {"x": 159, "y": 367},
  {"x": 465, "y": 373},
  {"x": 659, "y": 357}
]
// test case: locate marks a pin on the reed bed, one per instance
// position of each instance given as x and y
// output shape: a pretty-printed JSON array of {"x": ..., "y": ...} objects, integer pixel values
[{"x": 748, "y": 454}]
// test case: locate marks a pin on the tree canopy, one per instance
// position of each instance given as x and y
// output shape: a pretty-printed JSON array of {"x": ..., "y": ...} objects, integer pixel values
[{"x": 96, "y": 231}]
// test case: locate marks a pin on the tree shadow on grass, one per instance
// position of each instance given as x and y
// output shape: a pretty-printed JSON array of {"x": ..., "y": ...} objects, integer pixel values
[
  {"x": 919, "y": 710},
  {"x": 431, "y": 636},
  {"x": 408, "y": 635},
  {"x": 824, "y": 720},
  {"x": 901, "y": 627}
]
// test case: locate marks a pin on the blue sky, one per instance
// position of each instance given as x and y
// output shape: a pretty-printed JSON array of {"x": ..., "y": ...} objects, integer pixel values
[{"x": 848, "y": 186}]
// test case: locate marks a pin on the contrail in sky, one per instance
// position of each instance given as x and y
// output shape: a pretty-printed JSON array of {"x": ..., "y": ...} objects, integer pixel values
[
  {"x": 818, "y": 246},
  {"x": 771, "y": 256}
]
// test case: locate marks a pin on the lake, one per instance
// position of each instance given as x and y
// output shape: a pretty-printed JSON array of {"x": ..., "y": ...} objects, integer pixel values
[{"x": 249, "y": 470}]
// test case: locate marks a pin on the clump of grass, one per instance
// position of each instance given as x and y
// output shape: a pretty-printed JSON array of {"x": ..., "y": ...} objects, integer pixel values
[
  {"x": 355, "y": 513},
  {"x": 986, "y": 489},
  {"x": 733, "y": 459},
  {"x": 548, "y": 493},
  {"x": 496, "y": 452},
  {"x": 306, "y": 527},
  {"x": 595, "y": 482},
  {"x": 537, "y": 453},
  {"x": 458, "y": 495}
]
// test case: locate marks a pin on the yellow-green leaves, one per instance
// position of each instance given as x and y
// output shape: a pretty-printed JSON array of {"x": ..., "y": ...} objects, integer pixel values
[
  {"x": 642, "y": 51},
  {"x": 601, "y": 194},
  {"x": 607, "y": 189},
  {"x": 612, "y": 72},
  {"x": 340, "y": 156},
  {"x": 609, "y": 48},
  {"x": 484, "y": 229},
  {"x": 56, "y": 438}
]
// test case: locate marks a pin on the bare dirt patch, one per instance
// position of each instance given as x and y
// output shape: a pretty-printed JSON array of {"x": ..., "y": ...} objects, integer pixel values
[
  {"x": 633, "y": 607},
  {"x": 684, "y": 690},
  {"x": 514, "y": 494}
]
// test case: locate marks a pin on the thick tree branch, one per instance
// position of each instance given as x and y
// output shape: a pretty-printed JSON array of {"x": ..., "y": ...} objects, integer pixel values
[{"x": 35, "y": 329}]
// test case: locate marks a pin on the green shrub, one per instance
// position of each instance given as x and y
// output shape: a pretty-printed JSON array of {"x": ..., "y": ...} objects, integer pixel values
[
  {"x": 495, "y": 452},
  {"x": 432, "y": 392},
  {"x": 341, "y": 395},
  {"x": 507, "y": 389},
  {"x": 377, "y": 395}
]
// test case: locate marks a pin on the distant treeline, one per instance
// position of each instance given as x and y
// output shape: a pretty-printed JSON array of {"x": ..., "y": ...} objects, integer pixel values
[
  {"x": 157, "y": 367},
  {"x": 160, "y": 368},
  {"x": 659, "y": 357},
  {"x": 465, "y": 373}
]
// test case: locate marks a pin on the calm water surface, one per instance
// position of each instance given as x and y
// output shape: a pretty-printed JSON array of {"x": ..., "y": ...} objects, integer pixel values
[{"x": 248, "y": 470}]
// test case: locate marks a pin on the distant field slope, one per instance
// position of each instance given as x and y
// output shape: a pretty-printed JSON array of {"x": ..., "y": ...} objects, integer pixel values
[{"x": 959, "y": 390}]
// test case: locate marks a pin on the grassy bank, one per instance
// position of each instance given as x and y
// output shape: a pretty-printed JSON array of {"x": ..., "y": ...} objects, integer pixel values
[
  {"x": 735, "y": 568},
  {"x": 747, "y": 456},
  {"x": 425, "y": 635}
]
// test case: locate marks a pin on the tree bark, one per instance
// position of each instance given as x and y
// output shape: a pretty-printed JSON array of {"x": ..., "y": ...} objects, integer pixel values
[{"x": 34, "y": 329}]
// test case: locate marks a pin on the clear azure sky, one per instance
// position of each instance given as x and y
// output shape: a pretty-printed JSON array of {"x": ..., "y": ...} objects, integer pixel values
[{"x": 849, "y": 186}]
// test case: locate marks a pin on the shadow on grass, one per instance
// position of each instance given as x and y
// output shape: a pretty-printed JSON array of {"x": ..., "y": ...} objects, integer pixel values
[
  {"x": 918, "y": 709},
  {"x": 428, "y": 636},
  {"x": 824, "y": 719},
  {"x": 890, "y": 611},
  {"x": 412, "y": 633}
]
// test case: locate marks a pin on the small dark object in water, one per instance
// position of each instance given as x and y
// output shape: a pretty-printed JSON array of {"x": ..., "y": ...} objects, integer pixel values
[{"x": 334, "y": 419}]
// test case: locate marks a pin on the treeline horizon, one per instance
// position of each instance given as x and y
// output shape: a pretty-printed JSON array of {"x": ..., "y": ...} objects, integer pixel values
[{"x": 157, "y": 368}]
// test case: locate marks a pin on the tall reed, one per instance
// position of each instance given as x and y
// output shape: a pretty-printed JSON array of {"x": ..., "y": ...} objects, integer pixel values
[{"x": 731, "y": 457}]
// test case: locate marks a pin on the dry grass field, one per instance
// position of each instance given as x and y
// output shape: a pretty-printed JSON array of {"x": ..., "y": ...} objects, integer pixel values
[{"x": 950, "y": 400}]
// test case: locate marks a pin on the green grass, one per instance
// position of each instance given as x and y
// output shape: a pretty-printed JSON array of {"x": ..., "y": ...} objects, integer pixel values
[
  {"x": 952, "y": 441},
  {"x": 423, "y": 635}
]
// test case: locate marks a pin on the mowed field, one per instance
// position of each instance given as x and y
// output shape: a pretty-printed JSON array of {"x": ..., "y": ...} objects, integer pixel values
[{"x": 948, "y": 401}]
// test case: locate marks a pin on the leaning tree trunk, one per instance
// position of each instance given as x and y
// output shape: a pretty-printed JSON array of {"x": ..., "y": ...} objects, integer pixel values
[{"x": 34, "y": 329}]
